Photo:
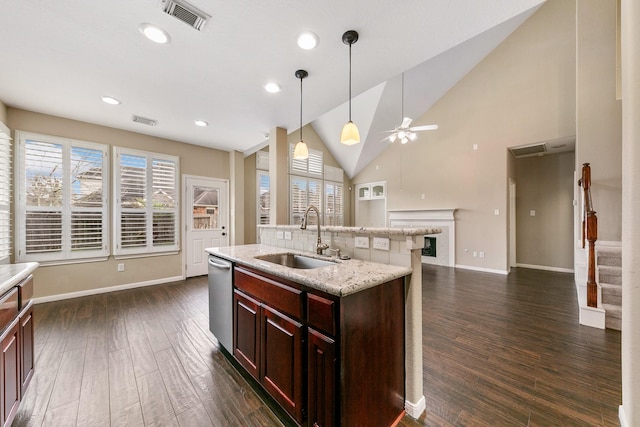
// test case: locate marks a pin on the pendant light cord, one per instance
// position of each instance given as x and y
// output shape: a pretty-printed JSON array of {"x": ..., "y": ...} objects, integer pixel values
[
  {"x": 402, "y": 105},
  {"x": 350, "y": 81},
  {"x": 301, "y": 108}
]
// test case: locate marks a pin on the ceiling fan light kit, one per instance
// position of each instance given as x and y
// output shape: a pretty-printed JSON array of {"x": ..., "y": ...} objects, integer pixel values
[
  {"x": 405, "y": 132},
  {"x": 350, "y": 134},
  {"x": 301, "y": 151}
]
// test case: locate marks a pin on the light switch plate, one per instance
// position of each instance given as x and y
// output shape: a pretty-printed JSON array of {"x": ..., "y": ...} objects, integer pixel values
[
  {"x": 287, "y": 235},
  {"x": 381, "y": 243},
  {"x": 361, "y": 242}
]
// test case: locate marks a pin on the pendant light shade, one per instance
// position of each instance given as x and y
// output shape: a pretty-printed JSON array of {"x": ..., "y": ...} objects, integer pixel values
[
  {"x": 350, "y": 134},
  {"x": 301, "y": 151}
]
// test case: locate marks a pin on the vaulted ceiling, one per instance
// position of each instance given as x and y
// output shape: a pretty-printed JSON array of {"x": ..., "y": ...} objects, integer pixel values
[{"x": 60, "y": 57}]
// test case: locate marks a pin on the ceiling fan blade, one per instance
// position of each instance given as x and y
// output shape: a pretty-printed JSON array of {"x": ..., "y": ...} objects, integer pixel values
[
  {"x": 424, "y": 127},
  {"x": 406, "y": 122},
  {"x": 393, "y": 137}
]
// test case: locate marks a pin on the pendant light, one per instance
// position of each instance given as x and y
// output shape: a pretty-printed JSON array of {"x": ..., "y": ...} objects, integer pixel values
[
  {"x": 350, "y": 134},
  {"x": 301, "y": 152}
]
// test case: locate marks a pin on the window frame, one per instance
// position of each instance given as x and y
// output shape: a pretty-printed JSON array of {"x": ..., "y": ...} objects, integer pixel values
[
  {"x": 67, "y": 254},
  {"x": 149, "y": 249}
]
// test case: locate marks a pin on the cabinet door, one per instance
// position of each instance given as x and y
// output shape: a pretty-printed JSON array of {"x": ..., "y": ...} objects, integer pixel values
[
  {"x": 282, "y": 361},
  {"x": 10, "y": 373},
  {"x": 322, "y": 393},
  {"x": 246, "y": 332},
  {"x": 26, "y": 348}
]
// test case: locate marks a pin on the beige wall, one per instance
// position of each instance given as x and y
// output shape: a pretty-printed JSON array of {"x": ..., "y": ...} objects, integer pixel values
[
  {"x": 545, "y": 185},
  {"x": 523, "y": 92},
  {"x": 194, "y": 160},
  {"x": 314, "y": 142},
  {"x": 3, "y": 113},
  {"x": 598, "y": 113}
]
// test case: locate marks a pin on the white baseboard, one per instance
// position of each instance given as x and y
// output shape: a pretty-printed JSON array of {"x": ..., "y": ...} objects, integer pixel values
[
  {"x": 622, "y": 417},
  {"x": 546, "y": 268},
  {"x": 414, "y": 410},
  {"x": 97, "y": 291},
  {"x": 484, "y": 270}
]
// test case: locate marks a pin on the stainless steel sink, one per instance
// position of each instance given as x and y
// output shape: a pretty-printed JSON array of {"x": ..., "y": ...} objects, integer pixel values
[{"x": 296, "y": 261}]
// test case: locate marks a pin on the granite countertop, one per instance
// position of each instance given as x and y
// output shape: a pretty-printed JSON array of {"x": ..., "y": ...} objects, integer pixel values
[
  {"x": 12, "y": 274},
  {"x": 385, "y": 231},
  {"x": 344, "y": 278}
]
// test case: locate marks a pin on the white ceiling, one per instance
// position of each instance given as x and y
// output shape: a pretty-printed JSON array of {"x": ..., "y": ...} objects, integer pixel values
[{"x": 60, "y": 57}]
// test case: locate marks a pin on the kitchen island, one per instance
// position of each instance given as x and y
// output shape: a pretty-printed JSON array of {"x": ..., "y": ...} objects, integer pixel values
[{"x": 325, "y": 342}]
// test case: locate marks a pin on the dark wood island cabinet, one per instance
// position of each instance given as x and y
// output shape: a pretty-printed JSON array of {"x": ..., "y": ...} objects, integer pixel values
[{"x": 326, "y": 360}]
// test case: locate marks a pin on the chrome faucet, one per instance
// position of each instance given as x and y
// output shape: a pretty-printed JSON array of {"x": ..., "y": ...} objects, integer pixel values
[{"x": 303, "y": 226}]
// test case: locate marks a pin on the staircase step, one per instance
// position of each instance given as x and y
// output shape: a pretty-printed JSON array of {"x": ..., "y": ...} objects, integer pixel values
[
  {"x": 610, "y": 256},
  {"x": 613, "y": 317},
  {"x": 609, "y": 274},
  {"x": 611, "y": 294}
]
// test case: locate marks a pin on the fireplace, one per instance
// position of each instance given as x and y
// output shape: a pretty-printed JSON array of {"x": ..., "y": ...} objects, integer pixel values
[{"x": 438, "y": 249}]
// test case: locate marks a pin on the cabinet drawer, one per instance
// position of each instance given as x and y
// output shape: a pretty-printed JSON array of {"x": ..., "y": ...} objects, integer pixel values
[
  {"x": 8, "y": 308},
  {"x": 277, "y": 295},
  {"x": 25, "y": 292},
  {"x": 321, "y": 313}
]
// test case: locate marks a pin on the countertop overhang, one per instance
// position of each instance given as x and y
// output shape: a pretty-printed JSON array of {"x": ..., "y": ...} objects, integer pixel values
[
  {"x": 12, "y": 274},
  {"x": 344, "y": 278}
]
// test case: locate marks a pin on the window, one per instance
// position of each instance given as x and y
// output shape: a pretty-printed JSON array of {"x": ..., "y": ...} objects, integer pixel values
[
  {"x": 304, "y": 192},
  {"x": 146, "y": 202},
  {"x": 61, "y": 206},
  {"x": 263, "y": 185},
  {"x": 333, "y": 204},
  {"x": 5, "y": 195}
]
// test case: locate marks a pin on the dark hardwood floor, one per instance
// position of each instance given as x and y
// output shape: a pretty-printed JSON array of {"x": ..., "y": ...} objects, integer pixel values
[{"x": 497, "y": 351}]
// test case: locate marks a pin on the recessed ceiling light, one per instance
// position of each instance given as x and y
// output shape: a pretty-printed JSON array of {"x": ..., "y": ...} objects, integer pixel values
[
  {"x": 155, "y": 33},
  {"x": 307, "y": 40},
  {"x": 272, "y": 87},
  {"x": 200, "y": 123},
  {"x": 110, "y": 100}
]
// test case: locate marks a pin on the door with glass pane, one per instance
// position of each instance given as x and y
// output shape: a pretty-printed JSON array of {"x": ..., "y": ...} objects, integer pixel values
[{"x": 207, "y": 221}]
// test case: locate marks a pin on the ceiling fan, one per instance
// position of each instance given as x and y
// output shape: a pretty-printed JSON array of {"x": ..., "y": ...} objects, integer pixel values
[{"x": 405, "y": 132}]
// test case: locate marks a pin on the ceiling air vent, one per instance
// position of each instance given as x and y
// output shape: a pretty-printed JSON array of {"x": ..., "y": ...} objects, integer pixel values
[
  {"x": 186, "y": 13},
  {"x": 144, "y": 120},
  {"x": 528, "y": 150}
]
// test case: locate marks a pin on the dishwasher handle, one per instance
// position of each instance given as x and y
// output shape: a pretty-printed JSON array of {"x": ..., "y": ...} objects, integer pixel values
[{"x": 222, "y": 265}]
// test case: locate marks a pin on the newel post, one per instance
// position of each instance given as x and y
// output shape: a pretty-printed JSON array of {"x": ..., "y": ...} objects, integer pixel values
[{"x": 590, "y": 232}]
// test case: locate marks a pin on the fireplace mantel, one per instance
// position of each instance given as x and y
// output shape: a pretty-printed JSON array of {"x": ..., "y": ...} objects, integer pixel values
[{"x": 419, "y": 218}]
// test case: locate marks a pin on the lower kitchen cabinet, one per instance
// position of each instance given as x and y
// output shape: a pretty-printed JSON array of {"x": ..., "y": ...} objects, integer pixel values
[
  {"x": 27, "y": 350},
  {"x": 282, "y": 366},
  {"x": 326, "y": 360},
  {"x": 10, "y": 372},
  {"x": 321, "y": 379}
]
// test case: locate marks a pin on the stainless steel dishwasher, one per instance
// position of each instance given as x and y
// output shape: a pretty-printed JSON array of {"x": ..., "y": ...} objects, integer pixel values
[{"x": 221, "y": 300}]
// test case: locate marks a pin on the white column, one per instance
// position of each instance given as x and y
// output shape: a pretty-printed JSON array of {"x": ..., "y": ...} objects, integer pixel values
[
  {"x": 630, "y": 42},
  {"x": 278, "y": 176}
]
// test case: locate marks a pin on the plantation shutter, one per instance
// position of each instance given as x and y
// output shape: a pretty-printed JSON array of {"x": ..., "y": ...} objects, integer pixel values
[
  {"x": 5, "y": 195},
  {"x": 146, "y": 191},
  {"x": 61, "y": 199}
]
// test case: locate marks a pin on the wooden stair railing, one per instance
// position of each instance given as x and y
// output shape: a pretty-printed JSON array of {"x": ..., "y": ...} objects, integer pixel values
[{"x": 590, "y": 233}]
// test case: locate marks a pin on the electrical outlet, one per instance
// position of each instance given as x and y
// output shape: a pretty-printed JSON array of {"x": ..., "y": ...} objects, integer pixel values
[
  {"x": 287, "y": 235},
  {"x": 532, "y": 212},
  {"x": 481, "y": 254},
  {"x": 496, "y": 211},
  {"x": 121, "y": 267},
  {"x": 475, "y": 253},
  {"x": 381, "y": 243},
  {"x": 279, "y": 235},
  {"x": 361, "y": 242}
]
